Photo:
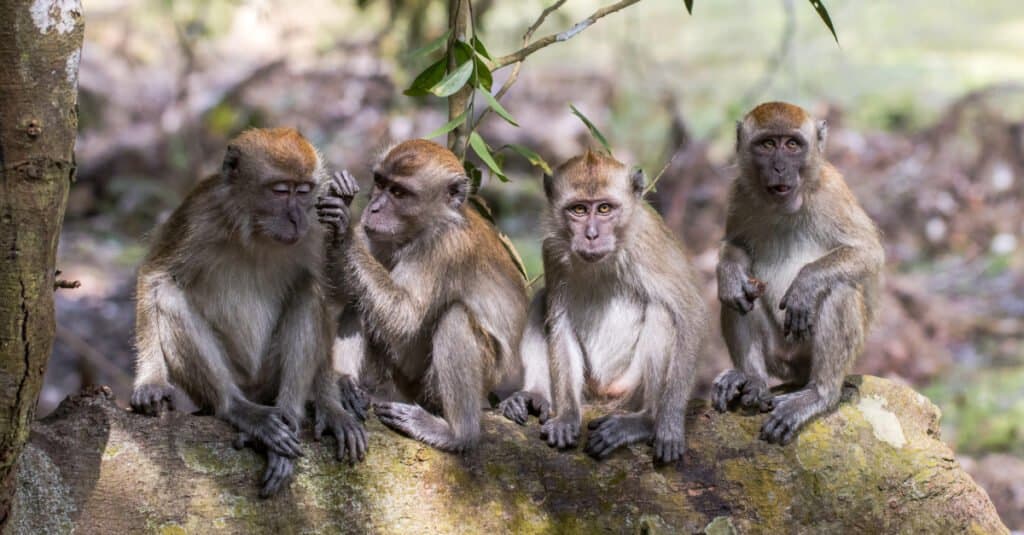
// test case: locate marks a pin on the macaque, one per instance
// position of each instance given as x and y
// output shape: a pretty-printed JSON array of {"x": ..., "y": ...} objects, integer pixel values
[
  {"x": 440, "y": 300},
  {"x": 621, "y": 314},
  {"x": 231, "y": 306},
  {"x": 798, "y": 273}
]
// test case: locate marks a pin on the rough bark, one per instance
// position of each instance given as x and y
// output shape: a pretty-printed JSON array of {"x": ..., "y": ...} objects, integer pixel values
[
  {"x": 874, "y": 466},
  {"x": 40, "y": 45},
  {"x": 460, "y": 21}
]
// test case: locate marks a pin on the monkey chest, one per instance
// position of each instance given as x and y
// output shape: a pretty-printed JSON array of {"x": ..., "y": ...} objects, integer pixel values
[
  {"x": 245, "y": 321},
  {"x": 778, "y": 267},
  {"x": 607, "y": 330}
]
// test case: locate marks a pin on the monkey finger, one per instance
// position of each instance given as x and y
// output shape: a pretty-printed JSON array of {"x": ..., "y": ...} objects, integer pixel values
[{"x": 318, "y": 428}]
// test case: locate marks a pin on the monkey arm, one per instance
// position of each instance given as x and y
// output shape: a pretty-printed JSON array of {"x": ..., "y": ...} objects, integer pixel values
[
  {"x": 394, "y": 308},
  {"x": 849, "y": 264},
  {"x": 684, "y": 335},
  {"x": 152, "y": 391},
  {"x": 736, "y": 288},
  {"x": 565, "y": 358},
  {"x": 300, "y": 344}
]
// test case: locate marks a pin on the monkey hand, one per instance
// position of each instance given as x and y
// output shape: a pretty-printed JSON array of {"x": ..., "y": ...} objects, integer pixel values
[
  {"x": 278, "y": 474},
  {"x": 348, "y": 431},
  {"x": 738, "y": 290},
  {"x": 152, "y": 399},
  {"x": 270, "y": 427},
  {"x": 799, "y": 302},
  {"x": 612, "y": 431},
  {"x": 752, "y": 391},
  {"x": 332, "y": 208},
  {"x": 353, "y": 398},
  {"x": 520, "y": 405},
  {"x": 561, "y": 432}
]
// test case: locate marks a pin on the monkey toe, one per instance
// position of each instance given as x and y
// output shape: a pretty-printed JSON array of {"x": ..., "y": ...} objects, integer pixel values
[
  {"x": 726, "y": 388},
  {"x": 279, "y": 472},
  {"x": 151, "y": 400},
  {"x": 514, "y": 408},
  {"x": 559, "y": 434},
  {"x": 668, "y": 451}
]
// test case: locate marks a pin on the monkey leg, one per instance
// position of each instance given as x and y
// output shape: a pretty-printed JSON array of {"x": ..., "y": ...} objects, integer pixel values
[
  {"x": 534, "y": 398},
  {"x": 197, "y": 362},
  {"x": 348, "y": 356},
  {"x": 566, "y": 362},
  {"x": 456, "y": 378},
  {"x": 748, "y": 338},
  {"x": 838, "y": 339}
]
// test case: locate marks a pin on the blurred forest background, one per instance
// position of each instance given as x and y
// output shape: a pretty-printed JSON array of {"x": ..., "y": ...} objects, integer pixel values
[{"x": 925, "y": 102}]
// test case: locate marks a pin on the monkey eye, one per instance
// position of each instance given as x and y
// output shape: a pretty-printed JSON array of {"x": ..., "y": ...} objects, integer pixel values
[
  {"x": 578, "y": 209},
  {"x": 604, "y": 208},
  {"x": 792, "y": 144},
  {"x": 304, "y": 188},
  {"x": 768, "y": 143},
  {"x": 397, "y": 192},
  {"x": 280, "y": 188}
]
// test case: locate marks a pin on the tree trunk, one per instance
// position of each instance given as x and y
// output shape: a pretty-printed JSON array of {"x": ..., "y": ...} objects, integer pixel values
[
  {"x": 875, "y": 465},
  {"x": 460, "y": 22},
  {"x": 40, "y": 46}
]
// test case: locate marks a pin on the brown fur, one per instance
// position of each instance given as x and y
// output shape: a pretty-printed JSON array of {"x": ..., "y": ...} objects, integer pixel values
[
  {"x": 819, "y": 264},
  {"x": 237, "y": 320},
  {"x": 630, "y": 323},
  {"x": 441, "y": 301}
]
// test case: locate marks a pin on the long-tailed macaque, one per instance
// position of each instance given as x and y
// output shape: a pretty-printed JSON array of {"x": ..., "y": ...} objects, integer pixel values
[
  {"x": 621, "y": 311},
  {"x": 230, "y": 304},
  {"x": 798, "y": 272},
  {"x": 441, "y": 301}
]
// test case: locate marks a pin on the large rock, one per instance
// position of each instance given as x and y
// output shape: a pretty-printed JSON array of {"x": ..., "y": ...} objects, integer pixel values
[{"x": 874, "y": 466}]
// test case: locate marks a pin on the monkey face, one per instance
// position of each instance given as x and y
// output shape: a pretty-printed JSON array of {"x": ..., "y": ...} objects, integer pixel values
[
  {"x": 279, "y": 193},
  {"x": 282, "y": 210},
  {"x": 394, "y": 207},
  {"x": 592, "y": 224}
]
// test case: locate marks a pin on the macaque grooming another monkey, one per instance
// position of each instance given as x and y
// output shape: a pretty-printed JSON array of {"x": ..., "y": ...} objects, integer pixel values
[
  {"x": 230, "y": 304},
  {"x": 798, "y": 272},
  {"x": 442, "y": 303},
  {"x": 621, "y": 311}
]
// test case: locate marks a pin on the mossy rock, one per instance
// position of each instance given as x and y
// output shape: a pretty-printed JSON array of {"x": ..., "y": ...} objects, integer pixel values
[{"x": 876, "y": 465}]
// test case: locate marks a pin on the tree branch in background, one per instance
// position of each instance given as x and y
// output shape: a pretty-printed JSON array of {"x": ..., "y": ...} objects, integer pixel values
[
  {"x": 522, "y": 53},
  {"x": 514, "y": 75}
]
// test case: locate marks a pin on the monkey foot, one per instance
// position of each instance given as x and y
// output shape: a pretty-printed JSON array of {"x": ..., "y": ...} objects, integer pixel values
[
  {"x": 520, "y": 405},
  {"x": 792, "y": 411},
  {"x": 732, "y": 385}
]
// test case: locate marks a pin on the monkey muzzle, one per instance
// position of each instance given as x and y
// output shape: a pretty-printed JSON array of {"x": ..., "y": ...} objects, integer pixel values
[{"x": 780, "y": 190}]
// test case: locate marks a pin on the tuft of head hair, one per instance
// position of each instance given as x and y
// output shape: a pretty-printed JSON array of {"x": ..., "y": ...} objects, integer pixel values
[
  {"x": 409, "y": 158},
  {"x": 592, "y": 173},
  {"x": 284, "y": 148}
]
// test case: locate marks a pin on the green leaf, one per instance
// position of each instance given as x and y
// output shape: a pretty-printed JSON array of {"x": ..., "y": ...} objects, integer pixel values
[
  {"x": 593, "y": 129},
  {"x": 823, "y": 13},
  {"x": 427, "y": 79},
  {"x": 449, "y": 126},
  {"x": 478, "y": 45},
  {"x": 454, "y": 81},
  {"x": 433, "y": 45},
  {"x": 475, "y": 176},
  {"x": 530, "y": 156},
  {"x": 481, "y": 150},
  {"x": 484, "y": 78},
  {"x": 689, "y": 6},
  {"x": 498, "y": 108}
]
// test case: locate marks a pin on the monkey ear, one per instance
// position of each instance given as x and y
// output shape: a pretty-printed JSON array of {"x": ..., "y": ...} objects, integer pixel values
[
  {"x": 549, "y": 185},
  {"x": 458, "y": 191},
  {"x": 232, "y": 157},
  {"x": 822, "y": 134},
  {"x": 638, "y": 179}
]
